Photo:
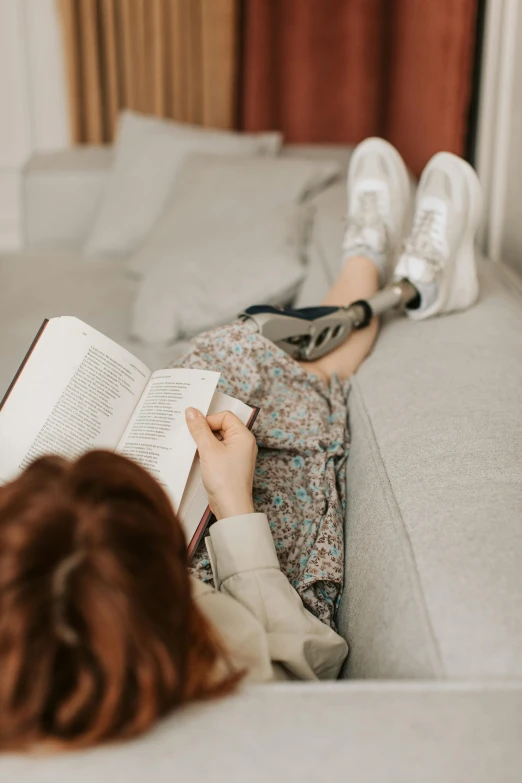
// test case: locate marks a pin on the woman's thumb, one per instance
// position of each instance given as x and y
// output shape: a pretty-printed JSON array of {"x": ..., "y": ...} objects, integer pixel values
[{"x": 199, "y": 429}]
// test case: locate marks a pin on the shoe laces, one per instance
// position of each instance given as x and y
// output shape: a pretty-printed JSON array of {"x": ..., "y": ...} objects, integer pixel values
[
  {"x": 366, "y": 226},
  {"x": 426, "y": 240}
]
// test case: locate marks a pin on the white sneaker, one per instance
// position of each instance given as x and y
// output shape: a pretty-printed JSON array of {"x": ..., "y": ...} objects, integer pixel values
[
  {"x": 379, "y": 204},
  {"x": 439, "y": 255}
]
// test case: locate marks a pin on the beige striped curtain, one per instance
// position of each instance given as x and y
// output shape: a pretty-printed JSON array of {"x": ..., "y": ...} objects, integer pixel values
[{"x": 169, "y": 58}]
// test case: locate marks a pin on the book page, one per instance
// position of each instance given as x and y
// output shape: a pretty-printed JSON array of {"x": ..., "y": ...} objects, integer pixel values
[
  {"x": 195, "y": 500},
  {"x": 157, "y": 436},
  {"x": 76, "y": 393}
]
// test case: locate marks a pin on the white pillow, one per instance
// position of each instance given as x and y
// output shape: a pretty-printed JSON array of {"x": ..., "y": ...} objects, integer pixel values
[
  {"x": 207, "y": 278},
  {"x": 213, "y": 192},
  {"x": 148, "y": 153}
]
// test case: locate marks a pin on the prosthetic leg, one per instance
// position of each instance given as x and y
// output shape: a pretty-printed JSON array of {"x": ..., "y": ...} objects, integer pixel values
[{"x": 311, "y": 332}]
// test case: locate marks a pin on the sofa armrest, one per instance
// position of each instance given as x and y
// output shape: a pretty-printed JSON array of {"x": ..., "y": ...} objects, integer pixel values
[
  {"x": 384, "y": 732},
  {"x": 61, "y": 191}
]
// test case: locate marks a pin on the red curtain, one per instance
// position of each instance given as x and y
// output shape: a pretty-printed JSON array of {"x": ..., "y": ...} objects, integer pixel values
[{"x": 336, "y": 71}]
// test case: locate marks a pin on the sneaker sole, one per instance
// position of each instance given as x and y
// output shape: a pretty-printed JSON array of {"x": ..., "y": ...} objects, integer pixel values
[
  {"x": 466, "y": 260},
  {"x": 450, "y": 163}
]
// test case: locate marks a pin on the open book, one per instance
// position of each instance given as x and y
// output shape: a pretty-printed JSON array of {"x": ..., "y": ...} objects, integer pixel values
[{"x": 78, "y": 390}]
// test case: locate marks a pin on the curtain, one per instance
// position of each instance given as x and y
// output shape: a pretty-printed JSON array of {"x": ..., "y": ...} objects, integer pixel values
[
  {"x": 170, "y": 58},
  {"x": 430, "y": 79},
  {"x": 313, "y": 69},
  {"x": 336, "y": 71}
]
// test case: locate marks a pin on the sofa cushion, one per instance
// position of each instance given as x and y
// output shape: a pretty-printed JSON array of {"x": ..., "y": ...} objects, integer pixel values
[{"x": 434, "y": 517}]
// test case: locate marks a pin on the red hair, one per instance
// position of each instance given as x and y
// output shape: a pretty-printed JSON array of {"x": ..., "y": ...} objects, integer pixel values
[{"x": 99, "y": 634}]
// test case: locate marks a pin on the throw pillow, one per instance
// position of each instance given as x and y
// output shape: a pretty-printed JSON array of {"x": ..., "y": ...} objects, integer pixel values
[
  {"x": 218, "y": 194},
  {"x": 148, "y": 154},
  {"x": 206, "y": 278}
]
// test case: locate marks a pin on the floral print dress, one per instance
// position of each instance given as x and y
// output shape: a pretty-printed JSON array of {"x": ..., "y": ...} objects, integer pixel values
[{"x": 303, "y": 443}]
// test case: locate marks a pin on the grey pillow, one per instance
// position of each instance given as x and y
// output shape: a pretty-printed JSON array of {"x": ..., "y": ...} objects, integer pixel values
[
  {"x": 233, "y": 234},
  {"x": 148, "y": 154},
  {"x": 215, "y": 193},
  {"x": 206, "y": 279}
]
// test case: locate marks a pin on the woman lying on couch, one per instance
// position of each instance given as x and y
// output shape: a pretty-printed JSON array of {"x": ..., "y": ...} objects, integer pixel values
[{"x": 103, "y": 628}]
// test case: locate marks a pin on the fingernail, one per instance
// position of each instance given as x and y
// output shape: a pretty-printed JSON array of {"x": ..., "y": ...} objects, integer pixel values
[{"x": 191, "y": 414}]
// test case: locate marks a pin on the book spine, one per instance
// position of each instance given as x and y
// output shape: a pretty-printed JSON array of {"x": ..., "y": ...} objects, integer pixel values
[
  {"x": 200, "y": 532},
  {"x": 253, "y": 417}
]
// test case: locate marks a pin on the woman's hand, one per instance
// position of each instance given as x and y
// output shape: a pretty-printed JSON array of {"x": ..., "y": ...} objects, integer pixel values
[{"x": 227, "y": 461}]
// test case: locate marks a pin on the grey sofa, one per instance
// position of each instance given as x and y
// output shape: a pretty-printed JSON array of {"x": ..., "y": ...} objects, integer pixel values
[{"x": 432, "y": 690}]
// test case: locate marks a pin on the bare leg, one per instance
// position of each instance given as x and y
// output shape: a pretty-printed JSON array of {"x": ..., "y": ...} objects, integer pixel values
[{"x": 359, "y": 279}]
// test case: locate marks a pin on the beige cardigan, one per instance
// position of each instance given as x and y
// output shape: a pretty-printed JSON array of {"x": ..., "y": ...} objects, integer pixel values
[{"x": 258, "y": 614}]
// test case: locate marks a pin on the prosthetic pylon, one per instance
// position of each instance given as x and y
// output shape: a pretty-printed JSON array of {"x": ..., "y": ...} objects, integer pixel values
[{"x": 312, "y": 332}]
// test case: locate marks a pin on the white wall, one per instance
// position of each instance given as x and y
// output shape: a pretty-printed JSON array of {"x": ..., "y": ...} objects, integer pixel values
[
  {"x": 50, "y": 120},
  {"x": 499, "y": 160},
  {"x": 511, "y": 248},
  {"x": 33, "y": 102}
]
